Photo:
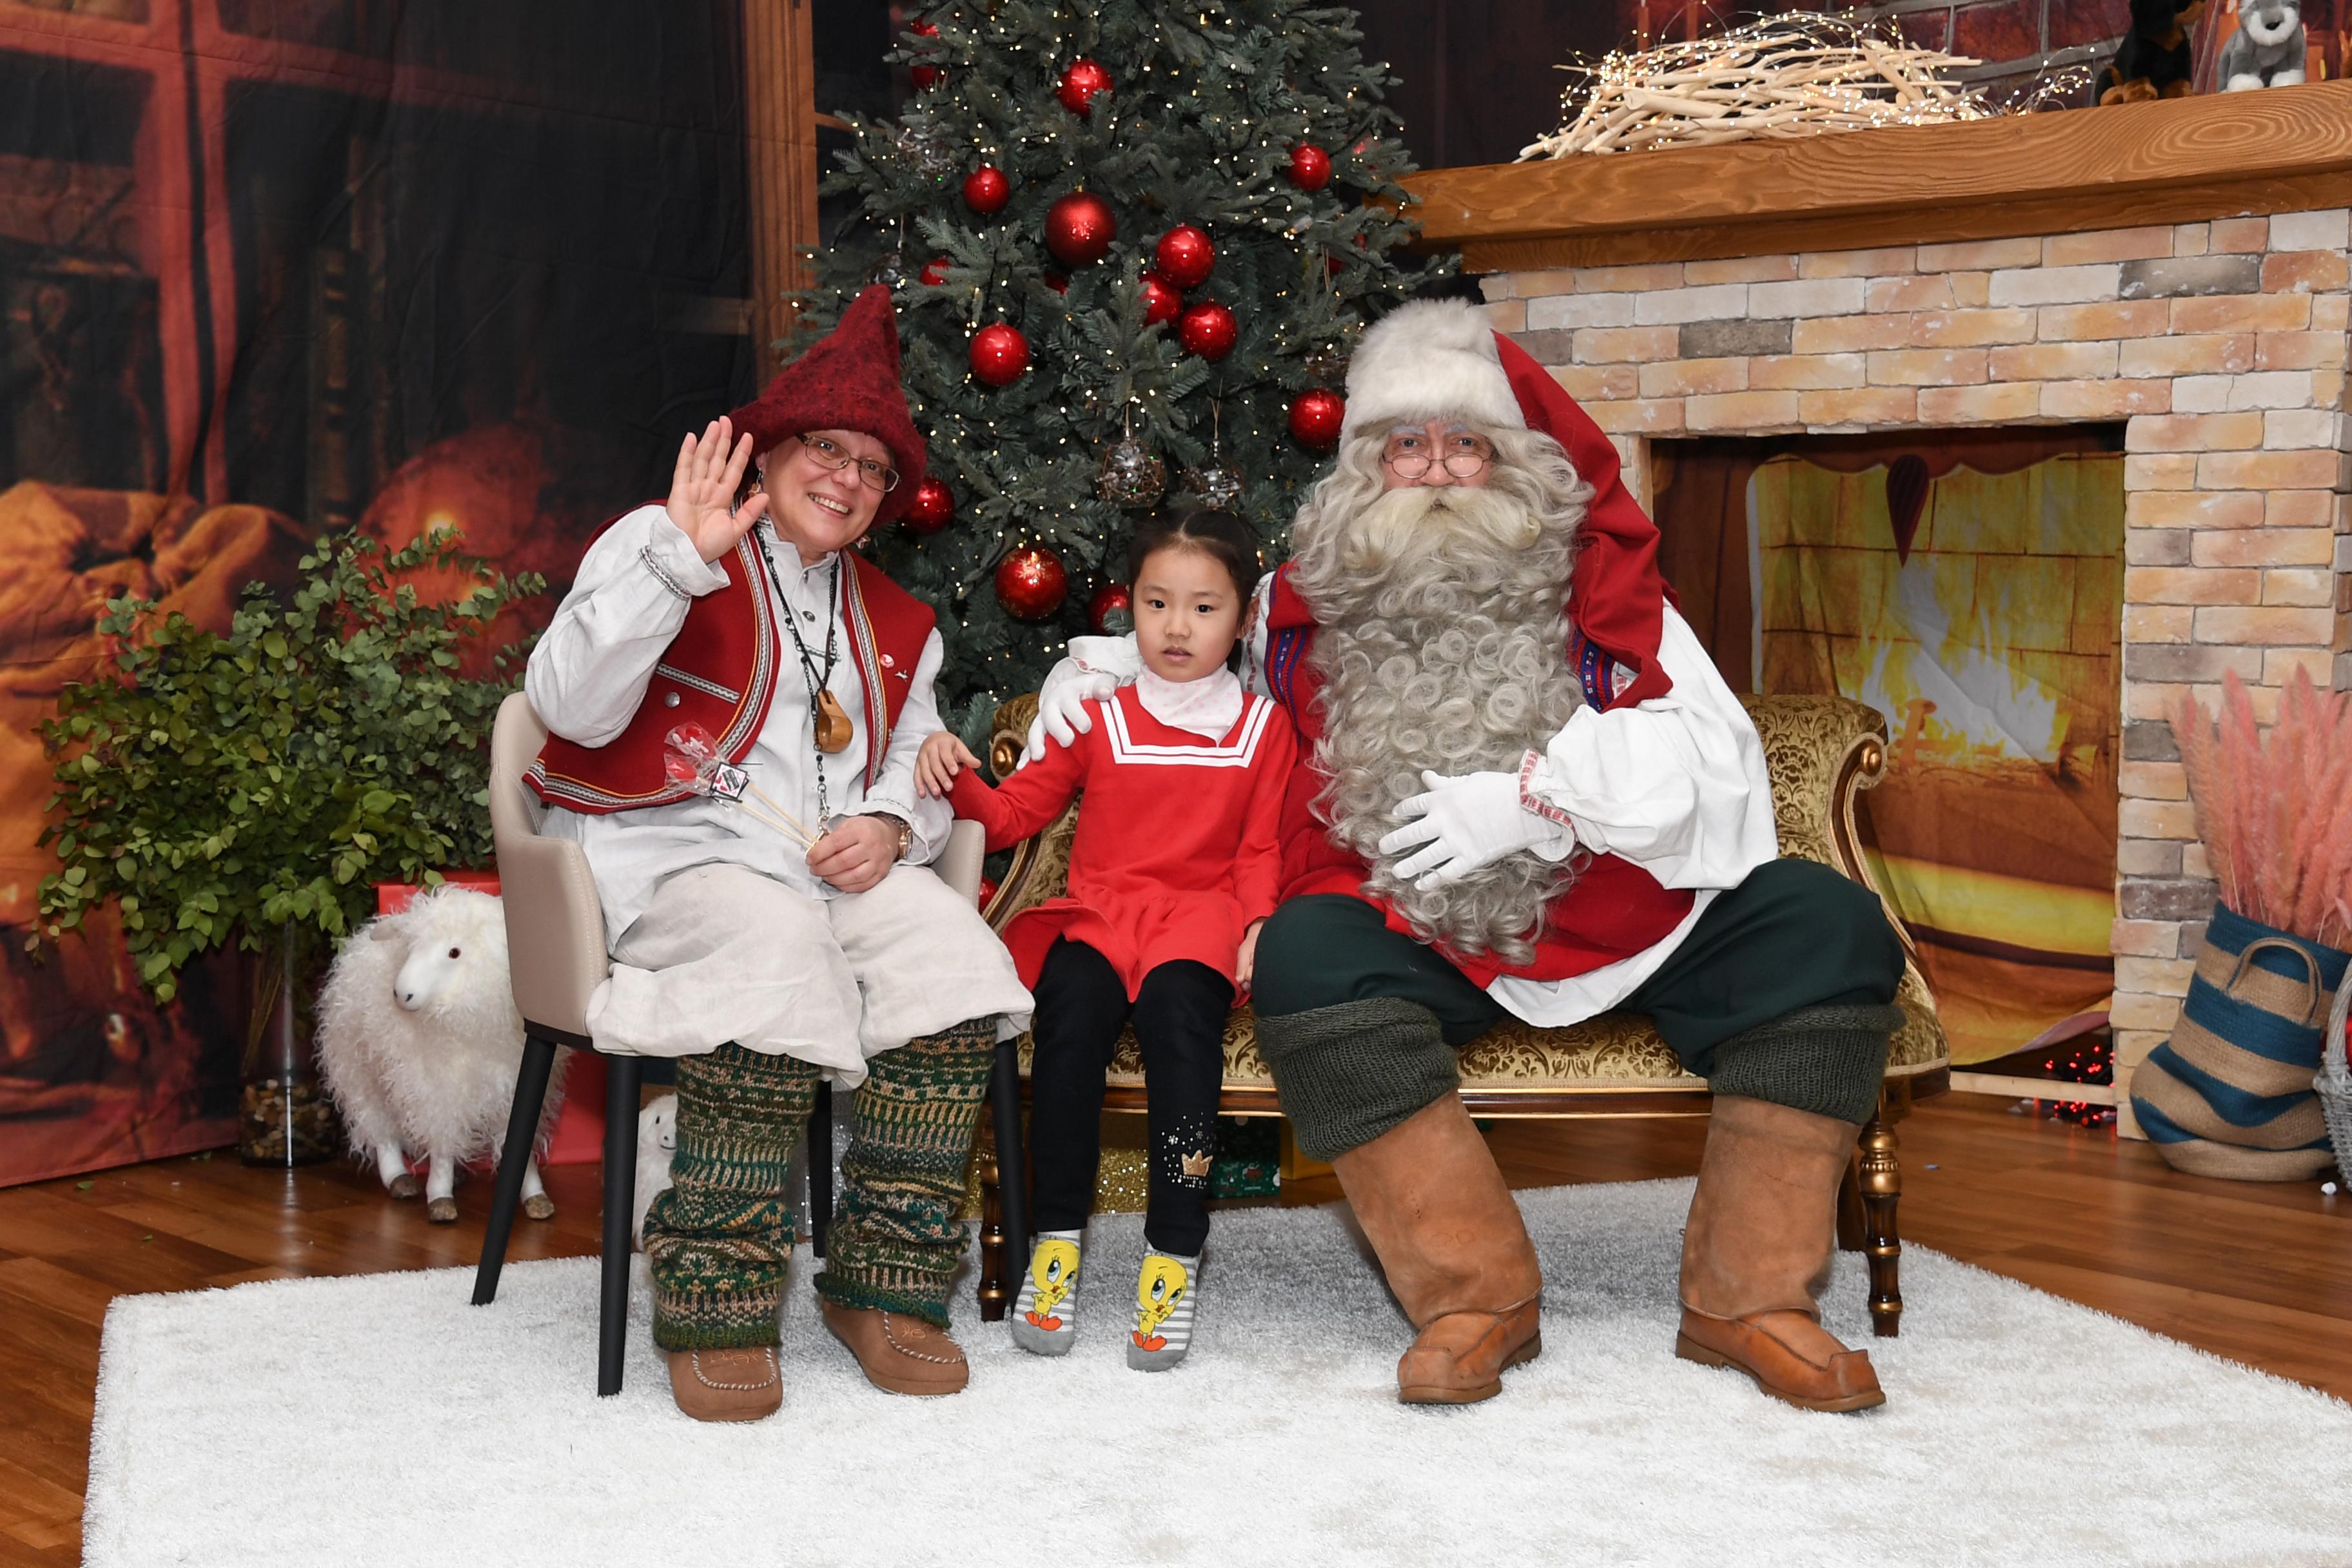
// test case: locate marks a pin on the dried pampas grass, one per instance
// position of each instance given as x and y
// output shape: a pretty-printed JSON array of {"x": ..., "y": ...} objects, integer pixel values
[{"x": 2275, "y": 810}]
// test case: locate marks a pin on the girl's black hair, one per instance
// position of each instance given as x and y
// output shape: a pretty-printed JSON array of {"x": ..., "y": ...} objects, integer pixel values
[{"x": 1220, "y": 535}]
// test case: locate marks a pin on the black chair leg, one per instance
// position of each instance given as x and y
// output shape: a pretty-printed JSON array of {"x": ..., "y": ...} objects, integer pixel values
[
  {"x": 514, "y": 1159},
  {"x": 622, "y": 1075},
  {"x": 1012, "y": 1166},
  {"x": 819, "y": 1150}
]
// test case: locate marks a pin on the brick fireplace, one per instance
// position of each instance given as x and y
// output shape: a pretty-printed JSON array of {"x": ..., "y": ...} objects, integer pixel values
[{"x": 2218, "y": 341}]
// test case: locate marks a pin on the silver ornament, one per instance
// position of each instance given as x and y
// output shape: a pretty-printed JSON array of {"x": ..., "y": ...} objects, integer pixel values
[
  {"x": 1326, "y": 362},
  {"x": 1131, "y": 474},
  {"x": 1212, "y": 484},
  {"x": 926, "y": 150},
  {"x": 889, "y": 270}
]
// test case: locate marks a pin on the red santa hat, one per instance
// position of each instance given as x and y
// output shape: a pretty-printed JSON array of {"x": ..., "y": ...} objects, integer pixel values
[
  {"x": 1437, "y": 359},
  {"x": 848, "y": 380}
]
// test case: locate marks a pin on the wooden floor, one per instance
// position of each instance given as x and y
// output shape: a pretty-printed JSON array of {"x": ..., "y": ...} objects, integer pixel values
[{"x": 2262, "y": 1274}]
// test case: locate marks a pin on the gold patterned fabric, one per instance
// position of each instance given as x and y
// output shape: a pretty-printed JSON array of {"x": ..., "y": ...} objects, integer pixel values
[{"x": 1821, "y": 753}]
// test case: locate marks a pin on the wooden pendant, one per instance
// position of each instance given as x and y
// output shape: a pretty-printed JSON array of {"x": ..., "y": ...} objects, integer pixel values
[{"x": 833, "y": 729}]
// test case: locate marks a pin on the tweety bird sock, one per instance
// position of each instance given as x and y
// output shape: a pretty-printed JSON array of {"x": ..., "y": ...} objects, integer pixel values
[
  {"x": 1046, "y": 1312},
  {"x": 1165, "y": 1293}
]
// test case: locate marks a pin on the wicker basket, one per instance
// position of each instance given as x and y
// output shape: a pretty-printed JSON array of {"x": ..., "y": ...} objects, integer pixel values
[{"x": 2335, "y": 1081}]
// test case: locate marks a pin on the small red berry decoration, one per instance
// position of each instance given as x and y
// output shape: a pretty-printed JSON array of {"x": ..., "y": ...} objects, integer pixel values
[
  {"x": 1311, "y": 167},
  {"x": 1160, "y": 300},
  {"x": 1316, "y": 416},
  {"x": 1080, "y": 83},
  {"x": 1032, "y": 582},
  {"x": 1079, "y": 228},
  {"x": 986, "y": 190},
  {"x": 999, "y": 354},
  {"x": 1186, "y": 256},
  {"x": 932, "y": 509},
  {"x": 1207, "y": 329}
]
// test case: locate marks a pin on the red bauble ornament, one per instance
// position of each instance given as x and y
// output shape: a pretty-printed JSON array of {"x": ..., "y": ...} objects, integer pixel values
[
  {"x": 1031, "y": 583},
  {"x": 1207, "y": 329},
  {"x": 1311, "y": 167},
  {"x": 1160, "y": 300},
  {"x": 932, "y": 509},
  {"x": 935, "y": 271},
  {"x": 1186, "y": 256},
  {"x": 925, "y": 76},
  {"x": 986, "y": 190},
  {"x": 1316, "y": 416},
  {"x": 999, "y": 354},
  {"x": 1079, "y": 228},
  {"x": 1110, "y": 599},
  {"x": 987, "y": 891},
  {"x": 1058, "y": 283},
  {"x": 1079, "y": 84}
]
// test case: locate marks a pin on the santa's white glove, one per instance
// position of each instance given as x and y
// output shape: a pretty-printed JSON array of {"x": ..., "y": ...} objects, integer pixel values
[
  {"x": 1096, "y": 667},
  {"x": 1467, "y": 822}
]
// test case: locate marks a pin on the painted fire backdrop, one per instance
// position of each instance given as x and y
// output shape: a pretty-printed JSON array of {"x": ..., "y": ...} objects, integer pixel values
[
  {"x": 274, "y": 267},
  {"x": 1970, "y": 587}
]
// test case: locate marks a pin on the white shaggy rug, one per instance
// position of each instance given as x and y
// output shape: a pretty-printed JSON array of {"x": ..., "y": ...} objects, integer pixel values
[{"x": 382, "y": 1420}]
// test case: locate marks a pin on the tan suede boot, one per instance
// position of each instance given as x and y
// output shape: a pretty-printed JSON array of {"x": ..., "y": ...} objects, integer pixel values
[
  {"x": 1455, "y": 1250},
  {"x": 1762, "y": 1226}
]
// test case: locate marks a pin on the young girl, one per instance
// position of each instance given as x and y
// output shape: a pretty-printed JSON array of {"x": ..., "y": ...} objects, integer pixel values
[{"x": 1173, "y": 871}]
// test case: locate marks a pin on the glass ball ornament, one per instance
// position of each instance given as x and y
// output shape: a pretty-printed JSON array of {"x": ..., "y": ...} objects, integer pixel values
[
  {"x": 1079, "y": 228},
  {"x": 926, "y": 150},
  {"x": 924, "y": 77},
  {"x": 1032, "y": 582},
  {"x": 1161, "y": 299},
  {"x": 889, "y": 270},
  {"x": 1212, "y": 484},
  {"x": 935, "y": 271},
  {"x": 932, "y": 509},
  {"x": 1186, "y": 256},
  {"x": 1111, "y": 612},
  {"x": 1316, "y": 416},
  {"x": 999, "y": 354},
  {"x": 1207, "y": 329},
  {"x": 1131, "y": 474},
  {"x": 986, "y": 190},
  {"x": 1079, "y": 84},
  {"x": 1311, "y": 167}
]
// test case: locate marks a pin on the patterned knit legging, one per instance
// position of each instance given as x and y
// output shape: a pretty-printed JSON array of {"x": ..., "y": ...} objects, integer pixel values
[{"x": 718, "y": 1238}]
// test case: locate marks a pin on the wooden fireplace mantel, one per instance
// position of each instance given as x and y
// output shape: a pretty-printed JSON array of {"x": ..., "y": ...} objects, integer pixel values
[{"x": 2278, "y": 150}]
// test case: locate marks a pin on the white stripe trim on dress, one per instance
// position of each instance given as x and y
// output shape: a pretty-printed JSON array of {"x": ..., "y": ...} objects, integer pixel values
[{"x": 1125, "y": 747}]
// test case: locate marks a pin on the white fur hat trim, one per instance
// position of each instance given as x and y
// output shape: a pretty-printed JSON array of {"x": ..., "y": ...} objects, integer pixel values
[{"x": 1432, "y": 359}]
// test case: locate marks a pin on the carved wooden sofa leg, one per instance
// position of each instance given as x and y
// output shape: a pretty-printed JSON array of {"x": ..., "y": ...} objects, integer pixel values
[{"x": 1878, "y": 1180}]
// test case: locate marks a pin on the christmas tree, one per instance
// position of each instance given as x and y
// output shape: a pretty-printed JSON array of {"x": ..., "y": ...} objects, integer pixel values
[{"x": 1132, "y": 245}]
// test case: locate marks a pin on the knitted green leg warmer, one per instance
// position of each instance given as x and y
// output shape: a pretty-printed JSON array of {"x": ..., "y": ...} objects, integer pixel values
[
  {"x": 1349, "y": 1072},
  {"x": 898, "y": 1234},
  {"x": 718, "y": 1240},
  {"x": 1827, "y": 1061}
]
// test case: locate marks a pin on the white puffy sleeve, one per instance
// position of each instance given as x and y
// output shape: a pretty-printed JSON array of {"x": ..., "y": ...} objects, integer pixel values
[
  {"x": 1676, "y": 784},
  {"x": 591, "y": 668}
]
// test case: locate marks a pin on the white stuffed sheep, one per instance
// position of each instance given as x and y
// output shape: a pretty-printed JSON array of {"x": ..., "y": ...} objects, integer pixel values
[
  {"x": 657, "y": 1146},
  {"x": 419, "y": 1043}
]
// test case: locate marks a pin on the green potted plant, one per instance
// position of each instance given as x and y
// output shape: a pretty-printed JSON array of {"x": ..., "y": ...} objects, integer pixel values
[{"x": 252, "y": 788}]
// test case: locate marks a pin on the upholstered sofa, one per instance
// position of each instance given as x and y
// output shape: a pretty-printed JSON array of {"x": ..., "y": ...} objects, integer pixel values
[{"x": 1822, "y": 751}]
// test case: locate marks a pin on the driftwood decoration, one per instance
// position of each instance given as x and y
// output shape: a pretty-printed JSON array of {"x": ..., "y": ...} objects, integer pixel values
[{"x": 1782, "y": 77}]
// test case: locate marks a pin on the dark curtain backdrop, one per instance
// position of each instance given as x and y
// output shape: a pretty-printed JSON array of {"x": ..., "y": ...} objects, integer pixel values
[{"x": 274, "y": 267}]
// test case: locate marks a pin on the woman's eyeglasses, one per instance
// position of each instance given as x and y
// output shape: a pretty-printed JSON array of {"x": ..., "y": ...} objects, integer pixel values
[
  {"x": 1409, "y": 457},
  {"x": 873, "y": 471}
]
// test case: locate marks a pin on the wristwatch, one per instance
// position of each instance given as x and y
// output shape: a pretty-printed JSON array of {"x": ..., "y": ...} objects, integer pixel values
[{"x": 906, "y": 830}]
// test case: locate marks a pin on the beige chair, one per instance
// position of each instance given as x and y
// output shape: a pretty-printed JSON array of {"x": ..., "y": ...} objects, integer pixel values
[
  {"x": 1822, "y": 751},
  {"x": 555, "y": 951}
]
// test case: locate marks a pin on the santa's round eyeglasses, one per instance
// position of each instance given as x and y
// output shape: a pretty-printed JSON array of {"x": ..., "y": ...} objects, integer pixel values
[{"x": 1409, "y": 457}]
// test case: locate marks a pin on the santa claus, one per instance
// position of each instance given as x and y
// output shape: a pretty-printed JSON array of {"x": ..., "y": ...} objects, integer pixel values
[{"x": 1524, "y": 790}]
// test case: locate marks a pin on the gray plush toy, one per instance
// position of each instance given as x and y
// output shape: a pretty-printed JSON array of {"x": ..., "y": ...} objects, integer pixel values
[{"x": 2267, "y": 49}]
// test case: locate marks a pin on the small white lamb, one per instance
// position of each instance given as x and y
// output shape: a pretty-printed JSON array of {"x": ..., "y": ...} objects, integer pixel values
[
  {"x": 419, "y": 1043},
  {"x": 657, "y": 1146}
]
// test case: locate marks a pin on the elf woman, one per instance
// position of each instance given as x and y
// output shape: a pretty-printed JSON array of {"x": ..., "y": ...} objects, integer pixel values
[
  {"x": 1173, "y": 871},
  {"x": 735, "y": 701}
]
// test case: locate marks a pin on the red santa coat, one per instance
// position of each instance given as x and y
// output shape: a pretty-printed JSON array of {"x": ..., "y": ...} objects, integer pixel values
[{"x": 1176, "y": 848}]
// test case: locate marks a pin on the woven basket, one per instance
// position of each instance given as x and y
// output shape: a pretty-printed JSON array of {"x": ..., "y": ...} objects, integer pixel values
[{"x": 2335, "y": 1081}]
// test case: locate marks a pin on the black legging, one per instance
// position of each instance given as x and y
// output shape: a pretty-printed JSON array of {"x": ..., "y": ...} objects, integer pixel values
[{"x": 1179, "y": 1020}]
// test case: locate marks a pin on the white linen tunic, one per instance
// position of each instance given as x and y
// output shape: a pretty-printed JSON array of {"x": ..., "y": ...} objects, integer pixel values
[{"x": 709, "y": 958}]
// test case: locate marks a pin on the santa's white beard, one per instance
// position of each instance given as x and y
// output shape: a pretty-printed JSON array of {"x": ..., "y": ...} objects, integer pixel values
[{"x": 1442, "y": 642}]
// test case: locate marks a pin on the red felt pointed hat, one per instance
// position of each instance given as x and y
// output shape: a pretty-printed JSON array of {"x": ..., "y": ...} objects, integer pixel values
[{"x": 848, "y": 380}]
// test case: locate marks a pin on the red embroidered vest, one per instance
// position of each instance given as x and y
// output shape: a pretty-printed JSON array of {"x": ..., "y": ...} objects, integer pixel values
[
  {"x": 720, "y": 671},
  {"x": 1612, "y": 911}
]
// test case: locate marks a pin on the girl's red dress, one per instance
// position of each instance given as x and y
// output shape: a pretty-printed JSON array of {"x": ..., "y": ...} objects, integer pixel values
[{"x": 1178, "y": 846}]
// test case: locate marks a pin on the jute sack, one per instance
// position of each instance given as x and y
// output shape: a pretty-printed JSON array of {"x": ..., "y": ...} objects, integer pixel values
[{"x": 2230, "y": 1093}]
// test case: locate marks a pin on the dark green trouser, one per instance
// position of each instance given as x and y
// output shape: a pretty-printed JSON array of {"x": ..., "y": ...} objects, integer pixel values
[{"x": 1780, "y": 992}]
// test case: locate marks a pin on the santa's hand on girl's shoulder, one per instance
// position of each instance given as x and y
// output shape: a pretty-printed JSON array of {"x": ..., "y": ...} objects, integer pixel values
[
  {"x": 936, "y": 765},
  {"x": 1096, "y": 667}
]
